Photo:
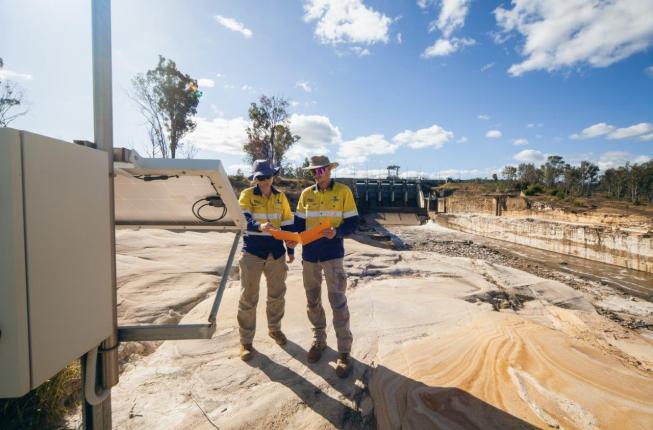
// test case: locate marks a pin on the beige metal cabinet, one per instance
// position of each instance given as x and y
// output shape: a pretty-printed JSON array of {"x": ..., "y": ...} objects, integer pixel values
[{"x": 55, "y": 255}]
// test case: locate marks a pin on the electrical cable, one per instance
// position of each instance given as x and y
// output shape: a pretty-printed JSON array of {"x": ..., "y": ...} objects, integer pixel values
[
  {"x": 209, "y": 201},
  {"x": 148, "y": 178}
]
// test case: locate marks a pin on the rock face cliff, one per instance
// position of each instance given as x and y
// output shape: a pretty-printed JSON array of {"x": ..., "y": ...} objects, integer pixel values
[
  {"x": 611, "y": 237},
  {"x": 609, "y": 244}
]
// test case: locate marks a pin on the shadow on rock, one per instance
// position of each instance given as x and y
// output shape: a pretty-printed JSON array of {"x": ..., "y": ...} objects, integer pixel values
[{"x": 377, "y": 397}]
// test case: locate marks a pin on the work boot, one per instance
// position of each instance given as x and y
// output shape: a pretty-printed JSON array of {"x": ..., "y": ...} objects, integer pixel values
[
  {"x": 278, "y": 337},
  {"x": 246, "y": 351},
  {"x": 315, "y": 353},
  {"x": 343, "y": 365}
]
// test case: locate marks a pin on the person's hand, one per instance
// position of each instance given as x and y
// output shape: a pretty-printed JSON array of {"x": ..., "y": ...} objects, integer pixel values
[
  {"x": 329, "y": 233},
  {"x": 291, "y": 258},
  {"x": 268, "y": 226},
  {"x": 291, "y": 244}
]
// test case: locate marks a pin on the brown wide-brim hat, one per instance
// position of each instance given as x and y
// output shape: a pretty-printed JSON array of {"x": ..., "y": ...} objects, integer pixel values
[{"x": 318, "y": 161}]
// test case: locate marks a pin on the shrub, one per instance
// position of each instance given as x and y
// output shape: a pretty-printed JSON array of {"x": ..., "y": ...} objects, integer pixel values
[
  {"x": 45, "y": 406},
  {"x": 534, "y": 189}
]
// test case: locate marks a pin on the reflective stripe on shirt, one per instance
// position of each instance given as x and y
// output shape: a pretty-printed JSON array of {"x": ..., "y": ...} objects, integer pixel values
[
  {"x": 266, "y": 216},
  {"x": 312, "y": 214}
]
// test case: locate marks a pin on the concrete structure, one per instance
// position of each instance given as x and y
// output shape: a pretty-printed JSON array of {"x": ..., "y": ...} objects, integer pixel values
[{"x": 613, "y": 245}]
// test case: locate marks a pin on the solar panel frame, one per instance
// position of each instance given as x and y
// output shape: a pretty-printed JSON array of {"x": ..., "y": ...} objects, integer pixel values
[{"x": 167, "y": 203}]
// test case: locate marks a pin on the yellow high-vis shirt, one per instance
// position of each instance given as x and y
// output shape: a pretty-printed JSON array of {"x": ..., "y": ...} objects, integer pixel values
[
  {"x": 259, "y": 209},
  {"x": 335, "y": 205}
]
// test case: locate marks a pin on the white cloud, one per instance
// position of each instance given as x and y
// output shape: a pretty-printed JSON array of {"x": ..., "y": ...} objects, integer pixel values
[
  {"x": 304, "y": 86},
  {"x": 649, "y": 71},
  {"x": 399, "y": 39},
  {"x": 452, "y": 16},
  {"x": 443, "y": 47},
  {"x": 360, "y": 51},
  {"x": 347, "y": 21},
  {"x": 642, "y": 131},
  {"x": 487, "y": 66},
  {"x": 294, "y": 103},
  {"x": 248, "y": 88},
  {"x": 229, "y": 86},
  {"x": 611, "y": 160},
  {"x": 464, "y": 173},
  {"x": 10, "y": 74},
  {"x": 206, "y": 83},
  {"x": 317, "y": 134},
  {"x": 564, "y": 33},
  {"x": 484, "y": 117},
  {"x": 220, "y": 135},
  {"x": 463, "y": 140},
  {"x": 232, "y": 169},
  {"x": 493, "y": 134},
  {"x": 520, "y": 142},
  {"x": 216, "y": 111},
  {"x": 358, "y": 150},
  {"x": 593, "y": 131},
  {"x": 434, "y": 136},
  {"x": 533, "y": 125},
  {"x": 350, "y": 171},
  {"x": 234, "y": 25},
  {"x": 530, "y": 156}
]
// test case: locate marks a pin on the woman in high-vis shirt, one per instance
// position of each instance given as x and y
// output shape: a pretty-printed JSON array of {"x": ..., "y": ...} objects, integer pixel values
[{"x": 265, "y": 209}]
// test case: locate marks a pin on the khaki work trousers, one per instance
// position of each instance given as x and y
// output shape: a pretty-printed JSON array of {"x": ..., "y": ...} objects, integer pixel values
[
  {"x": 251, "y": 268},
  {"x": 336, "y": 280}
]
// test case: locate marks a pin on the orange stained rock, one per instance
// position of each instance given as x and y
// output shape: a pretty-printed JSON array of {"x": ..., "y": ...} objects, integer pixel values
[{"x": 501, "y": 371}]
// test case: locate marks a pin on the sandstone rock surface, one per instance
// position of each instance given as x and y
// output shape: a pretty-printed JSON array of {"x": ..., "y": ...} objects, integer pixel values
[{"x": 432, "y": 349}]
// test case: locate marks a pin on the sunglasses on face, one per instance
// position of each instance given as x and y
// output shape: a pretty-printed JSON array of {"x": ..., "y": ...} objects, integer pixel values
[
  {"x": 319, "y": 171},
  {"x": 263, "y": 177}
]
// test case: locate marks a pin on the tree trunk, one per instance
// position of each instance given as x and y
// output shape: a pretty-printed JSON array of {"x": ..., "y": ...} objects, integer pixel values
[{"x": 272, "y": 152}]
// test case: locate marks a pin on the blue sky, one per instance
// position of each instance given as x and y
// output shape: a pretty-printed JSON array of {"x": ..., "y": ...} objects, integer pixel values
[{"x": 443, "y": 88}]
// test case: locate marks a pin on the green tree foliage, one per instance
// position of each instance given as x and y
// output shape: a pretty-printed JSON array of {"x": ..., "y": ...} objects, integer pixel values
[
  {"x": 572, "y": 179},
  {"x": 269, "y": 135},
  {"x": 552, "y": 170},
  {"x": 509, "y": 173},
  {"x": 588, "y": 175},
  {"x": 12, "y": 102},
  {"x": 633, "y": 182},
  {"x": 529, "y": 174},
  {"x": 168, "y": 100}
]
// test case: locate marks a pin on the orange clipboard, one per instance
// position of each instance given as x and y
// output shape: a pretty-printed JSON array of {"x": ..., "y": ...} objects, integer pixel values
[{"x": 304, "y": 237}]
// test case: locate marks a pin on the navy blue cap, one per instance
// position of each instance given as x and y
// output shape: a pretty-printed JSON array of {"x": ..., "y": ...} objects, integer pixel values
[{"x": 263, "y": 168}]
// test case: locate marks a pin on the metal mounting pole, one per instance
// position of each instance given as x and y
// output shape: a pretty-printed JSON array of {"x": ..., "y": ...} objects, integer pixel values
[
  {"x": 224, "y": 279},
  {"x": 99, "y": 417}
]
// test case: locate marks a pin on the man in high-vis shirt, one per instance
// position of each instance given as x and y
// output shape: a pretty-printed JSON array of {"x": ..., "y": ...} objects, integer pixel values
[
  {"x": 332, "y": 202},
  {"x": 265, "y": 209}
]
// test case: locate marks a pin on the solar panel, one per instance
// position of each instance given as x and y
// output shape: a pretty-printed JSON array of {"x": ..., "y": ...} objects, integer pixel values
[{"x": 173, "y": 194}]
